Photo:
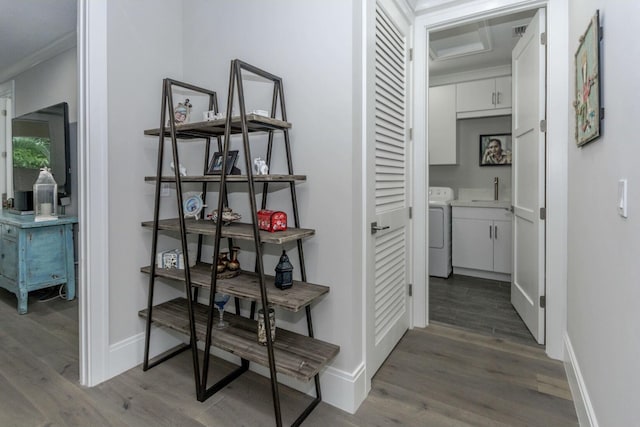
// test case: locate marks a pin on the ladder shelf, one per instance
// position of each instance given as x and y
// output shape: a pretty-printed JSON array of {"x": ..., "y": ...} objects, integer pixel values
[{"x": 301, "y": 357}]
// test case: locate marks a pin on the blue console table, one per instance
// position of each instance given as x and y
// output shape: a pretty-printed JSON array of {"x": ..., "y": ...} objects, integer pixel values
[{"x": 36, "y": 255}]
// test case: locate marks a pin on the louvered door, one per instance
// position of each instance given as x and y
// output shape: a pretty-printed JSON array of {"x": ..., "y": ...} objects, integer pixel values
[{"x": 388, "y": 308}]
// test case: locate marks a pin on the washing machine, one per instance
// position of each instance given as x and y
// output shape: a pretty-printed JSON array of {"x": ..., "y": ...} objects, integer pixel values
[{"x": 440, "y": 231}]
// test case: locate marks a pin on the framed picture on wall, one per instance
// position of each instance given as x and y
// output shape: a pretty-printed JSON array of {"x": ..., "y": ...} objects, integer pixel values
[
  {"x": 495, "y": 149},
  {"x": 589, "y": 113}
]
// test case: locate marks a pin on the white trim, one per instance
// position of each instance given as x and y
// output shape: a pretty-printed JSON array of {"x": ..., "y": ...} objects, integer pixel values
[
  {"x": 581, "y": 399},
  {"x": 129, "y": 352},
  {"x": 557, "y": 113},
  {"x": 465, "y": 76},
  {"x": 93, "y": 189},
  {"x": 58, "y": 46}
]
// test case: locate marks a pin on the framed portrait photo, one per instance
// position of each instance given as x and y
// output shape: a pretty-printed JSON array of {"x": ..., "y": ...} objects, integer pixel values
[
  {"x": 589, "y": 111},
  {"x": 215, "y": 166},
  {"x": 495, "y": 149}
]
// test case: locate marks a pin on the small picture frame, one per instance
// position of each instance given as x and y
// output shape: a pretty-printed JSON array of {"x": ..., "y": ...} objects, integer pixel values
[
  {"x": 215, "y": 166},
  {"x": 495, "y": 149}
]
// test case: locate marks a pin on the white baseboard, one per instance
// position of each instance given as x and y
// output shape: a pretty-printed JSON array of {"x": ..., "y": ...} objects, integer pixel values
[
  {"x": 344, "y": 390},
  {"x": 584, "y": 408},
  {"x": 129, "y": 352}
]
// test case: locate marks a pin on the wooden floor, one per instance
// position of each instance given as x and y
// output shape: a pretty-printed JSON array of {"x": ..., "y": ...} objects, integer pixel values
[
  {"x": 438, "y": 376},
  {"x": 480, "y": 305}
]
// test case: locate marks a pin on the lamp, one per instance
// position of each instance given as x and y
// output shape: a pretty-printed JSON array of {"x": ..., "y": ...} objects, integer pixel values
[
  {"x": 284, "y": 275},
  {"x": 45, "y": 196}
]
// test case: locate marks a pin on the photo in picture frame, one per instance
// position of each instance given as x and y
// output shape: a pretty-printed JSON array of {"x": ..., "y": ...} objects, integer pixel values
[
  {"x": 589, "y": 112},
  {"x": 495, "y": 149},
  {"x": 215, "y": 166}
]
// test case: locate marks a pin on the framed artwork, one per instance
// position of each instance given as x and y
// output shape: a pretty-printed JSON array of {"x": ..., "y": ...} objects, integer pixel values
[
  {"x": 587, "y": 103},
  {"x": 215, "y": 167},
  {"x": 495, "y": 149}
]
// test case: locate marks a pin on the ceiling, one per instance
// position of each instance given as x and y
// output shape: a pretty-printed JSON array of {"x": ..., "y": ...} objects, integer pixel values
[
  {"x": 28, "y": 26},
  {"x": 452, "y": 50}
]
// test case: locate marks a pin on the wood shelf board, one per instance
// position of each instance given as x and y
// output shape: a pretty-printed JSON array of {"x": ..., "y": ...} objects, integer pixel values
[
  {"x": 205, "y": 129},
  {"x": 247, "y": 286},
  {"x": 230, "y": 178},
  {"x": 236, "y": 230},
  {"x": 296, "y": 355}
]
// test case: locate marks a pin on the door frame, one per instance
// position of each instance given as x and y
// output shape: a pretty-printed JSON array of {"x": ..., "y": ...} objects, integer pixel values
[
  {"x": 93, "y": 192},
  {"x": 558, "y": 101}
]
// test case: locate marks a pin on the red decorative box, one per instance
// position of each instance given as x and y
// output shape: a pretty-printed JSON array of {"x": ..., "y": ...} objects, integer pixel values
[{"x": 272, "y": 220}]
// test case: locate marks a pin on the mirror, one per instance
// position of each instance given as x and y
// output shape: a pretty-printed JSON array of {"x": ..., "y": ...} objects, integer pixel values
[{"x": 41, "y": 139}]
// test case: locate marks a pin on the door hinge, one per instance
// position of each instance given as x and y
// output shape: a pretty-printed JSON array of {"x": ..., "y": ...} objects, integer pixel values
[
  {"x": 410, "y": 290},
  {"x": 543, "y": 125},
  {"x": 410, "y": 212},
  {"x": 411, "y": 54},
  {"x": 543, "y": 301},
  {"x": 543, "y": 39},
  {"x": 543, "y": 213}
]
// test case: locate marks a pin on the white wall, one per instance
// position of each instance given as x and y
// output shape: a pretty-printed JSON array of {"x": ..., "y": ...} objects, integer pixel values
[
  {"x": 311, "y": 46},
  {"x": 144, "y": 46},
  {"x": 603, "y": 320},
  {"x": 48, "y": 83},
  {"x": 468, "y": 173},
  {"x": 194, "y": 41}
]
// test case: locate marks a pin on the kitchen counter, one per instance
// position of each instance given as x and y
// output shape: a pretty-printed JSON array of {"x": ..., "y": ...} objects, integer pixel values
[{"x": 499, "y": 204}]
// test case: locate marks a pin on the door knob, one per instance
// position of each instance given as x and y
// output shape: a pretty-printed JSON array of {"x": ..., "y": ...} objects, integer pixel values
[{"x": 375, "y": 228}]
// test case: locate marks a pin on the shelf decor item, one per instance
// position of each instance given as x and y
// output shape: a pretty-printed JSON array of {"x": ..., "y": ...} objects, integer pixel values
[
  {"x": 262, "y": 329},
  {"x": 589, "y": 112},
  {"x": 228, "y": 216},
  {"x": 215, "y": 167},
  {"x": 272, "y": 220},
  {"x": 45, "y": 196},
  {"x": 284, "y": 272},
  {"x": 182, "y": 111},
  {"x": 193, "y": 205},
  {"x": 234, "y": 264}
]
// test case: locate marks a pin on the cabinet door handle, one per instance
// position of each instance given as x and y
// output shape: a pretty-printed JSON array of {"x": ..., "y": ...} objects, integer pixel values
[
  {"x": 493, "y": 98},
  {"x": 495, "y": 232},
  {"x": 498, "y": 99},
  {"x": 489, "y": 232}
]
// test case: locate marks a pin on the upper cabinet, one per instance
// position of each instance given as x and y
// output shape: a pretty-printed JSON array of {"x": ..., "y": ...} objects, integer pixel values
[
  {"x": 482, "y": 98},
  {"x": 442, "y": 125}
]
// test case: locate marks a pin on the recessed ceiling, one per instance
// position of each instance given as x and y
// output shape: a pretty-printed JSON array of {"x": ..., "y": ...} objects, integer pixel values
[
  {"x": 28, "y": 26},
  {"x": 474, "y": 46}
]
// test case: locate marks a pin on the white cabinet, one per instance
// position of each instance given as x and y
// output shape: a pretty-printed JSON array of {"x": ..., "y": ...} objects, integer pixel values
[
  {"x": 442, "y": 125},
  {"x": 482, "y": 242},
  {"x": 487, "y": 97}
]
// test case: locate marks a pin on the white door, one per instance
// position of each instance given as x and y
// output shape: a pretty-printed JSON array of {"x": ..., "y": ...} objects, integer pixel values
[
  {"x": 388, "y": 240},
  {"x": 528, "y": 177}
]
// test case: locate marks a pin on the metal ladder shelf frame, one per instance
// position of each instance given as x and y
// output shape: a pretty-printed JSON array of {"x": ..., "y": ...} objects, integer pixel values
[
  {"x": 235, "y": 81},
  {"x": 191, "y": 291}
]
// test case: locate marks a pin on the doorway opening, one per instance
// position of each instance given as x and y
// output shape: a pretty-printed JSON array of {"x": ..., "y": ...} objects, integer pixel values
[{"x": 471, "y": 226}]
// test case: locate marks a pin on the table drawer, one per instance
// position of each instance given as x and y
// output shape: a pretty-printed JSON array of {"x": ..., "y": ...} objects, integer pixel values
[
  {"x": 9, "y": 232},
  {"x": 9, "y": 259}
]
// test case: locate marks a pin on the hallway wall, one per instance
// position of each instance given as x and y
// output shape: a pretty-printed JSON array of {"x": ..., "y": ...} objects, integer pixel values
[{"x": 603, "y": 320}]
